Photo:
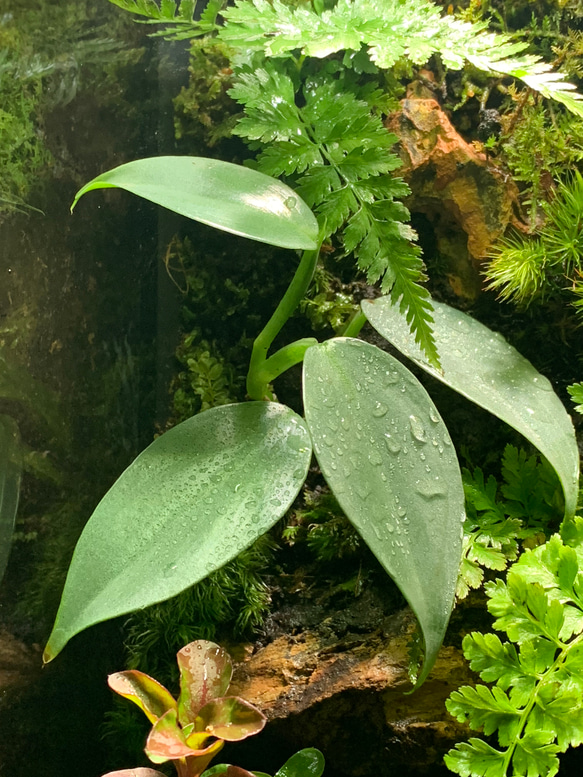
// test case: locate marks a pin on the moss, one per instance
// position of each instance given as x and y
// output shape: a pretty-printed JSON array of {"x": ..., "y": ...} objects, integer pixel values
[
  {"x": 22, "y": 152},
  {"x": 204, "y": 113}
]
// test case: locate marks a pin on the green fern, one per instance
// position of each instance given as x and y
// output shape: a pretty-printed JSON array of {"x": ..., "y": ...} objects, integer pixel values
[
  {"x": 535, "y": 705},
  {"x": 501, "y": 518},
  {"x": 179, "y": 13},
  {"x": 338, "y": 156},
  {"x": 390, "y": 29},
  {"x": 576, "y": 393}
]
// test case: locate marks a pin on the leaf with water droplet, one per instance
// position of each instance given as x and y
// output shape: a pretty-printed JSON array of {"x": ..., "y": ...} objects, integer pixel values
[
  {"x": 121, "y": 560},
  {"x": 425, "y": 563},
  {"x": 482, "y": 366}
]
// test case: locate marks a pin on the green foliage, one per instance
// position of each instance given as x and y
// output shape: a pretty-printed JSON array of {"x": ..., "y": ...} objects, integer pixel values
[
  {"x": 322, "y": 525},
  {"x": 338, "y": 156},
  {"x": 325, "y": 305},
  {"x": 22, "y": 152},
  {"x": 535, "y": 701},
  {"x": 526, "y": 270},
  {"x": 178, "y": 13},
  {"x": 203, "y": 111},
  {"x": 482, "y": 366},
  {"x": 391, "y": 30},
  {"x": 229, "y": 603},
  {"x": 305, "y": 762},
  {"x": 244, "y": 464},
  {"x": 191, "y": 729},
  {"x": 498, "y": 519},
  {"x": 206, "y": 380},
  {"x": 576, "y": 392},
  {"x": 538, "y": 147}
]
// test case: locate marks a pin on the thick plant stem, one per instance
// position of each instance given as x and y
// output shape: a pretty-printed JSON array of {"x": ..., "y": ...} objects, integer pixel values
[
  {"x": 258, "y": 376},
  {"x": 354, "y": 325}
]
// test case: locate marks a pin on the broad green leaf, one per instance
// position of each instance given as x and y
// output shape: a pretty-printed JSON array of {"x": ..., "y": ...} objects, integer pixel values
[
  {"x": 193, "y": 500},
  {"x": 305, "y": 763},
  {"x": 10, "y": 469},
  {"x": 231, "y": 771},
  {"x": 227, "y": 196},
  {"x": 482, "y": 366},
  {"x": 151, "y": 697},
  {"x": 231, "y": 718},
  {"x": 205, "y": 674},
  {"x": 388, "y": 458}
]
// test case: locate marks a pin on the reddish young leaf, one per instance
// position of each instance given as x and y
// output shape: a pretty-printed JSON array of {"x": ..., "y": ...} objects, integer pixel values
[
  {"x": 231, "y": 718},
  {"x": 167, "y": 742},
  {"x": 143, "y": 690},
  {"x": 205, "y": 674}
]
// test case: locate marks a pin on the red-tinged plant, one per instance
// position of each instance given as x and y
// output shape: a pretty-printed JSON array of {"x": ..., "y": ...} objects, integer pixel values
[{"x": 189, "y": 731}]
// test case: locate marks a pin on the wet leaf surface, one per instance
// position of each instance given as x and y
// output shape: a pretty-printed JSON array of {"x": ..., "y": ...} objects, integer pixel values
[
  {"x": 479, "y": 364},
  {"x": 387, "y": 455},
  {"x": 205, "y": 674},
  {"x": 193, "y": 500}
]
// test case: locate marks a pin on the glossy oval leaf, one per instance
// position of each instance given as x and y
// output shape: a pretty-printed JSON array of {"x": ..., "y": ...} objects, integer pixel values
[
  {"x": 231, "y": 718},
  {"x": 149, "y": 695},
  {"x": 10, "y": 471},
  {"x": 193, "y": 500},
  {"x": 223, "y": 195},
  {"x": 231, "y": 771},
  {"x": 479, "y": 364},
  {"x": 205, "y": 674},
  {"x": 305, "y": 763},
  {"x": 387, "y": 456}
]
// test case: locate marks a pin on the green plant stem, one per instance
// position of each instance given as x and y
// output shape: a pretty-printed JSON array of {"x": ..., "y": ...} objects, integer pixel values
[
  {"x": 263, "y": 370},
  {"x": 354, "y": 324}
]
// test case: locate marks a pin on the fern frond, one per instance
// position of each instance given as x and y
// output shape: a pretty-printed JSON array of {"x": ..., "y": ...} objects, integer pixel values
[
  {"x": 339, "y": 158},
  {"x": 576, "y": 393},
  {"x": 535, "y": 705},
  {"x": 390, "y": 29},
  {"x": 179, "y": 13}
]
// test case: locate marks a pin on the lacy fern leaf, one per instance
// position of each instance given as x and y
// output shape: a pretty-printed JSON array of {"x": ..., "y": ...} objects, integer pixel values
[
  {"x": 498, "y": 518},
  {"x": 576, "y": 393},
  {"x": 339, "y": 159},
  {"x": 535, "y": 705},
  {"x": 179, "y": 13},
  {"x": 390, "y": 29}
]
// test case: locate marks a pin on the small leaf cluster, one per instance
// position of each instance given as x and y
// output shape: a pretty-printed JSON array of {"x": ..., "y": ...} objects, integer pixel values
[
  {"x": 206, "y": 380},
  {"x": 576, "y": 393},
  {"x": 326, "y": 305},
  {"x": 534, "y": 698},
  {"x": 524, "y": 270},
  {"x": 338, "y": 156},
  {"x": 500, "y": 518},
  {"x": 322, "y": 525}
]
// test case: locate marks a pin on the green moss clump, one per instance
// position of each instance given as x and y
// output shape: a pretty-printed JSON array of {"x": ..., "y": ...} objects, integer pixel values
[
  {"x": 206, "y": 379},
  {"x": 204, "y": 114},
  {"x": 226, "y": 605},
  {"x": 322, "y": 526},
  {"x": 22, "y": 152}
]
